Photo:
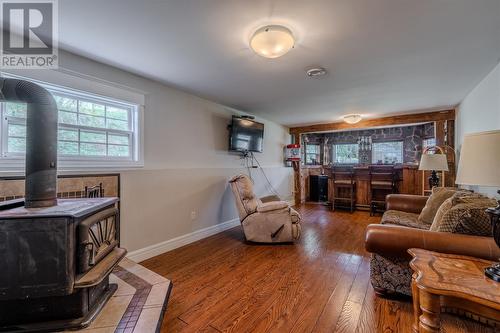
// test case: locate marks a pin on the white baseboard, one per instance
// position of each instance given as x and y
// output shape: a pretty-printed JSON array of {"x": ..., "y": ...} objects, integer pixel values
[{"x": 168, "y": 245}]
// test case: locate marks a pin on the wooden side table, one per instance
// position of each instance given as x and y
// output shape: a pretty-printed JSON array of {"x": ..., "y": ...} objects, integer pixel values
[{"x": 441, "y": 280}]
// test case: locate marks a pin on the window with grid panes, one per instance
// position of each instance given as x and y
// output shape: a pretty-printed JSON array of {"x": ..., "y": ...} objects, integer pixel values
[
  {"x": 347, "y": 153},
  {"x": 312, "y": 154},
  {"x": 89, "y": 127},
  {"x": 387, "y": 152}
]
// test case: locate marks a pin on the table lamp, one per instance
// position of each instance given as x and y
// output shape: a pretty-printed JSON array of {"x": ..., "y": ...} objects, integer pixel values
[
  {"x": 480, "y": 165},
  {"x": 433, "y": 162}
]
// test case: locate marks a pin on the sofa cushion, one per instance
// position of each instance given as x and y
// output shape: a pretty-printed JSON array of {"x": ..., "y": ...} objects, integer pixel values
[
  {"x": 438, "y": 196},
  {"x": 468, "y": 217},
  {"x": 402, "y": 218}
]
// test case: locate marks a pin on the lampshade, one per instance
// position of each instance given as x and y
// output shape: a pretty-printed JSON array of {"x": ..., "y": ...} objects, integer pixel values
[
  {"x": 437, "y": 162},
  {"x": 480, "y": 159},
  {"x": 272, "y": 41}
]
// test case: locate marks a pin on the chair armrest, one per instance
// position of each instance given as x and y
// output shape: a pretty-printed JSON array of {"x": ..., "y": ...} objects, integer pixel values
[
  {"x": 273, "y": 205},
  {"x": 394, "y": 240},
  {"x": 270, "y": 198},
  {"x": 406, "y": 202}
]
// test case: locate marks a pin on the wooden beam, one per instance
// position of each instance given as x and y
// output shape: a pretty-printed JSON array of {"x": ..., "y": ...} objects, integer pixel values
[{"x": 385, "y": 121}]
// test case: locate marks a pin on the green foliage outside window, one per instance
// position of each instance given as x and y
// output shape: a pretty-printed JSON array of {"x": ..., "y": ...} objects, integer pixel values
[
  {"x": 73, "y": 139},
  {"x": 346, "y": 153},
  {"x": 312, "y": 153}
]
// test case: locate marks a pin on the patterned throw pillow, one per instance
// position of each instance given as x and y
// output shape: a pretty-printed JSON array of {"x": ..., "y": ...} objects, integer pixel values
[
  {"x": 468, "y": 217},
  {"x": 443, "y": 209},
  {"x": 438, "y": 196}
]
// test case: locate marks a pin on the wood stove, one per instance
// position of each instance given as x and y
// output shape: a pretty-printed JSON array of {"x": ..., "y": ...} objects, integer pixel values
[
  {"x": 55, "y": 255},
  {"x": 56, "y": 262}
]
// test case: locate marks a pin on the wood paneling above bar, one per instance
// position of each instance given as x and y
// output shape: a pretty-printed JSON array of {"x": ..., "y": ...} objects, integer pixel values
[{"x": 385, "y": 121}]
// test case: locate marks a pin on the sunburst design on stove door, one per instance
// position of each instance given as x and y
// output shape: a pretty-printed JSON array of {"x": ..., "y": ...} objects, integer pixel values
[{"x": 102, "y": 235}]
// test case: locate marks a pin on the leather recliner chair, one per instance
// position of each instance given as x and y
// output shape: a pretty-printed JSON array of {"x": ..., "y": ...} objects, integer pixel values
[{"x": 264, "y": 220}]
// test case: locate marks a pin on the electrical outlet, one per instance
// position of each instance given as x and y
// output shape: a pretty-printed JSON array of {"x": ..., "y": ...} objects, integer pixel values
[{"x": 194, "y": 215}]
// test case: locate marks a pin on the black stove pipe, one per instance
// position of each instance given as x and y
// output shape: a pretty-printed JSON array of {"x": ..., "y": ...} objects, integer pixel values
[{"x": 41, "y": 140}]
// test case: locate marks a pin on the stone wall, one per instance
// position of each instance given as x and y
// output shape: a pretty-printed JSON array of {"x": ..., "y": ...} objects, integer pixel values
[{"x": 411, "y": 136}]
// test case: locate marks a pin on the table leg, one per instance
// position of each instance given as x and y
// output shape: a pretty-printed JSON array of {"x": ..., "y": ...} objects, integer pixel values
[
  {"x": 416, "y": 304},
  {"x": 430, "y": 321}
]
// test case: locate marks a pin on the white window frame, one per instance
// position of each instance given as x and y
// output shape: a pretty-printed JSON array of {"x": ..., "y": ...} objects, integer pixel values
[
  {"x": 13, "y": 163},
  {"x": 383, "y": 142},
  {"x": 318, "y": 153},
  {"x": 335, "y": 161},
  {"x": 425, "y": 144}
]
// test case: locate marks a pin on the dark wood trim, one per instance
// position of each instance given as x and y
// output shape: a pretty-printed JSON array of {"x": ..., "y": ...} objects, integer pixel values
[{"x": 384, "y": 121}]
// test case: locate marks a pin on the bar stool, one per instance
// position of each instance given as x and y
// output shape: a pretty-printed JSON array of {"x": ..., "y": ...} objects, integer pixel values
[
  {"x": 382, "y": 182},
  {"x": 344, "y": 187}
]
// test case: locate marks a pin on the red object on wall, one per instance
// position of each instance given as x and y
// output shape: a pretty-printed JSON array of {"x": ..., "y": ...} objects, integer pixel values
[{"x": 292, "y": 152}]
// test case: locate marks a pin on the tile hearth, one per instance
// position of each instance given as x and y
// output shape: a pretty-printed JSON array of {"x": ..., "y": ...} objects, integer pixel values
[{"x": 137, "y": 306}]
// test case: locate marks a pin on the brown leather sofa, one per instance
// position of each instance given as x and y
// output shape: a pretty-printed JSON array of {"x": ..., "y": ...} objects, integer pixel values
[{"x": 399, "y": 231}]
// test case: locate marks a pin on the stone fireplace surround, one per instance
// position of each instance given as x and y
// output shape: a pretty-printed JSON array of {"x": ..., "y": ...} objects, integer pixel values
[{"x": 68, "y": 186}]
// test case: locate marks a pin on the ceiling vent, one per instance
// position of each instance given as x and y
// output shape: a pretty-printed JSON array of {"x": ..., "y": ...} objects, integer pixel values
[{"x": 316, "y": 72}]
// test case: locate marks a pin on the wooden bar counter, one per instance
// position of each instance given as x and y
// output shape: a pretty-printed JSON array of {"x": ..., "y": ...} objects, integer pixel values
[{"x": 410, "y": 181}]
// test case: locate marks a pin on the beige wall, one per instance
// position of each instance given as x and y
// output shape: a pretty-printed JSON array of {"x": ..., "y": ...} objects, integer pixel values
[
  {"x": 187, "y": 165},
  {"x": 480, "y": 111},
  {"x": 158, "y": 203}
]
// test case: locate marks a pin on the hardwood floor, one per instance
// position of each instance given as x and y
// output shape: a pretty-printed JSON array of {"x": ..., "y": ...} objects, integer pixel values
[{"x": 320, "y": 284}]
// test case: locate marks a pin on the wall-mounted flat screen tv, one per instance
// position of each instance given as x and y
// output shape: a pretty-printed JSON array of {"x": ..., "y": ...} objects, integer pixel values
[{"x": 246, "y": 135}]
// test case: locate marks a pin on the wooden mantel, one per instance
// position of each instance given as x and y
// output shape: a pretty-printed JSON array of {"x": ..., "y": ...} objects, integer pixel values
[{"x": 444, "y": 124}]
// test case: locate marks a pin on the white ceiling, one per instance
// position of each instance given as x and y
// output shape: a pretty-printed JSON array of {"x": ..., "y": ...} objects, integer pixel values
[{"x": 383, "y": 56}]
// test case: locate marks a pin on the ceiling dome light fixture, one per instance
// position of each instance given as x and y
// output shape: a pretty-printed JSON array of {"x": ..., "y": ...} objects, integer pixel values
[
  {"x": 272, "y": 41},
  {"x": 352, "y": 118}
]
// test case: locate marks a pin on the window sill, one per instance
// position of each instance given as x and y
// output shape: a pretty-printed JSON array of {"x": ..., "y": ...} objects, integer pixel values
[{"x": 16, "y": 167}]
